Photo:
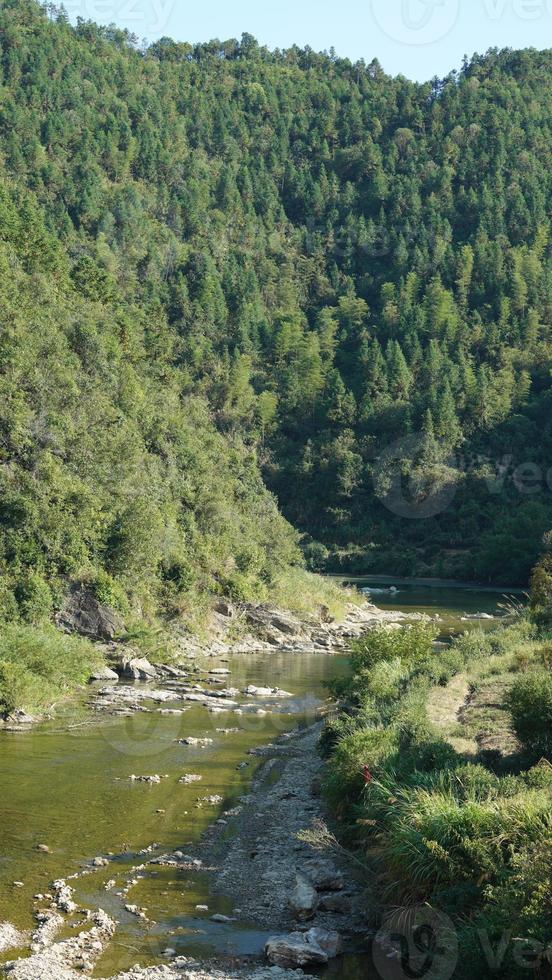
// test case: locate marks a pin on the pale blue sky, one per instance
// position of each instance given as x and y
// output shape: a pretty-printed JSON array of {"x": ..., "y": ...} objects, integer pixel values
[{"x": 418, "y": 38}]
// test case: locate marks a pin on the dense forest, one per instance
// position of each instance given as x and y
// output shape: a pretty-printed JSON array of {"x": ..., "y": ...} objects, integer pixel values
[{"x": 224, "y": 265}]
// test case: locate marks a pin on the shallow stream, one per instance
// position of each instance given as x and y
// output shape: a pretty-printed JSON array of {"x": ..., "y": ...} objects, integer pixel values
[{"x": 67, "y": 784}]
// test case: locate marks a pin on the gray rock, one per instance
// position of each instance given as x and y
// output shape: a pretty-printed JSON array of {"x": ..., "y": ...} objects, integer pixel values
[
  {"x": 104, "y": 674},
  {"x": 263, "y": 617},
  {"x": 197, "y": 742},
  {"x": 225, "y": 608},
  {"x": 303, "y": 900},
  {"x": 294, "y": 950},
  {"x": 82, "y": 613},
  {"x": 329, "y": 881},
  {"x": 326, "y": 939},
  {"x": 137, "y": 669},
  {"x": 19, "y": 717},
  {"x": 336, "y": 902}
]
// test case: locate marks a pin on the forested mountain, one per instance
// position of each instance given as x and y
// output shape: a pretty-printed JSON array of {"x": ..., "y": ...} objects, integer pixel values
[{"x": 216, "y": 256}]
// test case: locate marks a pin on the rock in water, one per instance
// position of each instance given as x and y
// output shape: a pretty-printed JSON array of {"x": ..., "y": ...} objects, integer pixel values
[
  {"x": 138, "y": 669},
  {"x": 303, "y": 900},
  {"x": 294, "y": 950},
  {"x": 326, "y": 939},
  {"x": 104, "y": 674},
  {"x": 82, "y": 613}
]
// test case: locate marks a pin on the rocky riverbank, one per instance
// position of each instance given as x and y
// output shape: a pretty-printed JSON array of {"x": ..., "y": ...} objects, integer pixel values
[{"x": 233, "y": 629}]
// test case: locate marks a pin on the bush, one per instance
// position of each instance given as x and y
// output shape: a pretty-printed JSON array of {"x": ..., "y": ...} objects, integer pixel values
[
  {"x": 34, "y": 598},
  {"x": 109, "y": 592},
  {"x": 530, "y": 702},
  {"x": 316, "y": 556},
  {"x": 410, "y": 645}
]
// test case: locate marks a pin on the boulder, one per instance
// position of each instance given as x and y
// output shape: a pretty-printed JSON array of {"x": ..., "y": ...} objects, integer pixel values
[
  {"x": 329, "y": 881},
  {"x": 225, "y": 608},
  {"x": 169, "y": 671},
  {"x": 337, "y": 902},
  {"x": 82, "y": 613},
  {"x": 303, "y": 900},
  {"x": 137, "y": 669},
  {"x": 104, "y": 674},
  {"x": 326, "y": 939},
  {"x": 263, "y": 617},
  {"x": 19, "y": 717},
  {"x": 294, "y": 950}
]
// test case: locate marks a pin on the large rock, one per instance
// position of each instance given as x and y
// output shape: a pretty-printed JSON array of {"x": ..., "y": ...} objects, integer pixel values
[
  {"x": 303, "y": 900},
  {"x": 294, "y": 950},
  {"x": 225, "y": 608},
  {"x": 104, "y": 674},
  {"x": 264, "y": 617},
  {"x": 82, "y": 613},
  {"x": 326, "y": 939},
  {"x": 137, "y": 669}
]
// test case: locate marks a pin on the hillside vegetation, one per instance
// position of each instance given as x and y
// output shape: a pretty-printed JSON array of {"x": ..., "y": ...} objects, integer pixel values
[{"x": 233, "y": 253}]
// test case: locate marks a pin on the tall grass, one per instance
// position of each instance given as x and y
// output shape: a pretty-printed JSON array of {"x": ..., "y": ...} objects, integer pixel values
[
  {"x": 40, "y": 664},
  {"x": 438, "y": 827}
]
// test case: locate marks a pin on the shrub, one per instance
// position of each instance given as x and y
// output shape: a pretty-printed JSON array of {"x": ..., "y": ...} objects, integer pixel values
[
  {"x": 381, "y": 645},
  {"x": 530, "y": 703},
  {"x": 109, "y": 592},
  {"x": 316, "y": 556},
  {"x": 34, "y": 598},
  {"x": 363, "y": 747}
]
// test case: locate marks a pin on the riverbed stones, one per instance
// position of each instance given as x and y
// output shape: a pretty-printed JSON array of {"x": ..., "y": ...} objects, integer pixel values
[
  {"x": 265, "y": 692},
  {"x": 10, "y": 937},
  {"x": 63, "y": 896},
  {"x": 190, "y": 777},
  {"x": 200, "y": 743},
  {"x": 20, "y": 719},
  {"x": 303, "y": 900}
]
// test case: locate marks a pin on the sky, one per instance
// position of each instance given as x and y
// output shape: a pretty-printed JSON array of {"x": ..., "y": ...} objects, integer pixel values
[{"x": 416, "y": 38}]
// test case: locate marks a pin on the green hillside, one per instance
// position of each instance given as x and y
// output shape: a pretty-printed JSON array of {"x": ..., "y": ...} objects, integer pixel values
[{"x": 220, "y": 260}]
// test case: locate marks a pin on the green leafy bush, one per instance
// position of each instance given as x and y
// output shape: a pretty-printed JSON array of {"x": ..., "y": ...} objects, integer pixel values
[
  {"x": 530, "y": 702},
  {"x": 383, "y": 645},
  {"x": 34, "y": 598}
]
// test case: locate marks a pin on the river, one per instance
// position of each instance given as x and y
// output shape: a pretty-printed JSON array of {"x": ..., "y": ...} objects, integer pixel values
[{"x": 67, "y": 784}]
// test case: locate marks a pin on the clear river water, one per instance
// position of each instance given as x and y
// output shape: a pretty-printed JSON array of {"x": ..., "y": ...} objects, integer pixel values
[{"x": 67, "y": 784}]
